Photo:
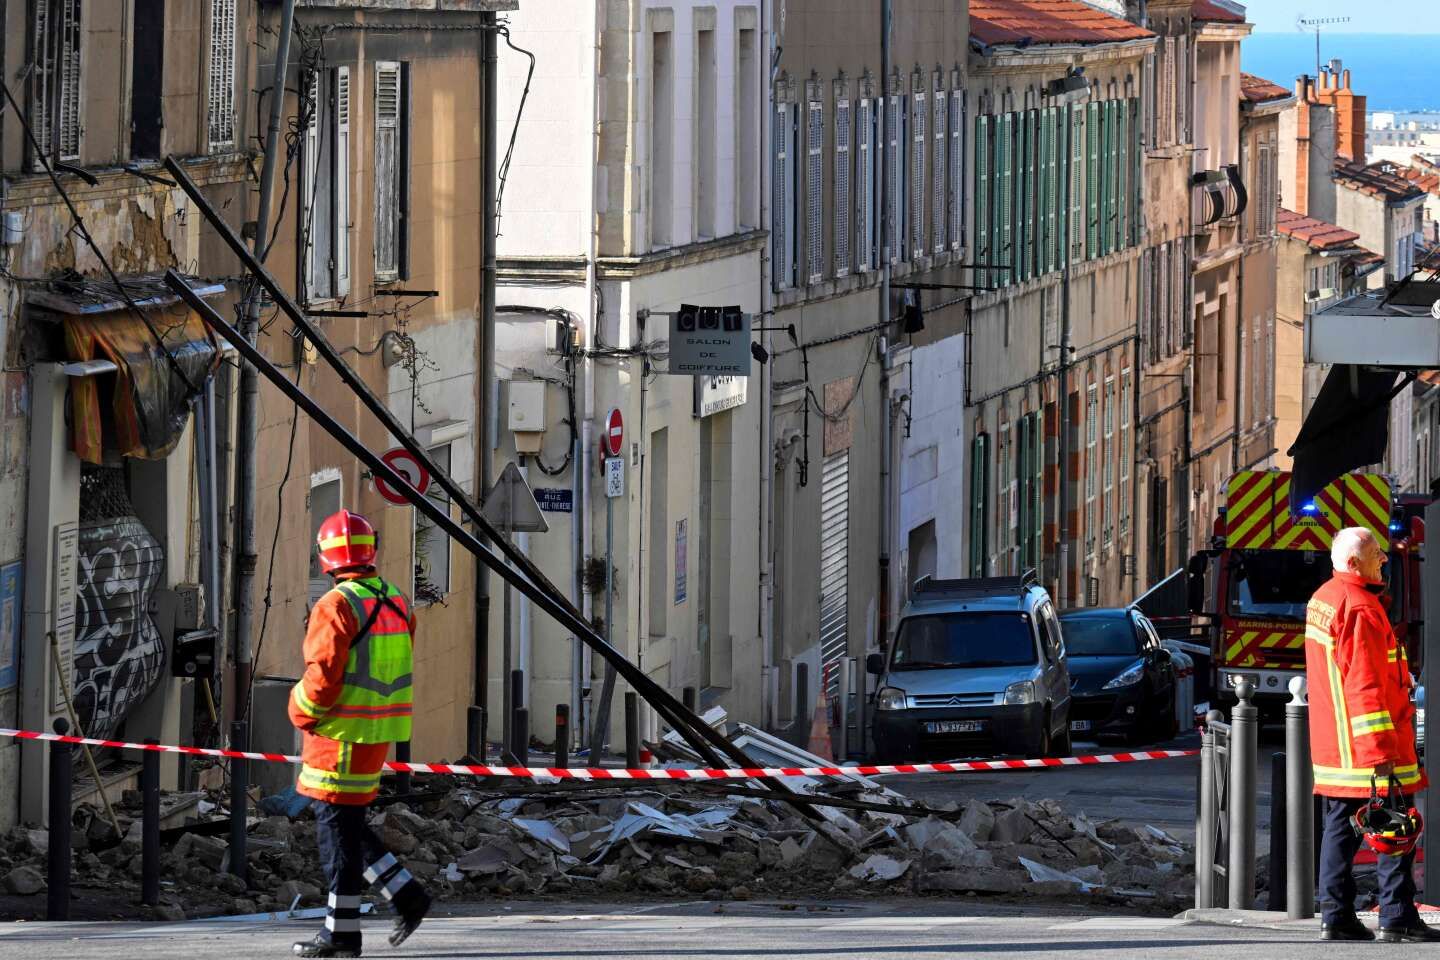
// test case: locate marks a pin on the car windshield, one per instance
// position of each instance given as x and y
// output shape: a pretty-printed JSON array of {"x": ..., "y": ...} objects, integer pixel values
[
  {"x": 964, "y": 640},
  {"x": 1276, "y": 583},
  {"x": 1100, "y": 636}
]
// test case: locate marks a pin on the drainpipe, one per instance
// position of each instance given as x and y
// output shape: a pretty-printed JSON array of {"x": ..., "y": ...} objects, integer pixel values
[
  {"x": 886, "y": 225},
  {"x": 1239, "y": 315},
  {"x": 1063, "y": 584},
  {"x": 489, "y": 172},
  {"x": 247, "y": 409},
  {"x": 580, "y": 659},
  {"x": 765, "y": 625}
]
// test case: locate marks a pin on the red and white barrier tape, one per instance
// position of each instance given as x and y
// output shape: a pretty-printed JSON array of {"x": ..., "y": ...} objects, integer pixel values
[{"x": 602, "y": 773}]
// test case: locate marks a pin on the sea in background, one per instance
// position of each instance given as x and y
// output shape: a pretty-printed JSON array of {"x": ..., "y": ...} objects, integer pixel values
[{"x": 1393, "y": 71}]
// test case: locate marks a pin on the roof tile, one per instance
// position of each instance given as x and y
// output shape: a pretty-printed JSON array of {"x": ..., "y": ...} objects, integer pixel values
[
  {"x": 1259, "y": 90},
  {"x": 1047, "y": 21},
  {"x": 1376, "y": 180},
  {"x": 1214, "y": 11},
  {"x": 1317, "y": 233}
]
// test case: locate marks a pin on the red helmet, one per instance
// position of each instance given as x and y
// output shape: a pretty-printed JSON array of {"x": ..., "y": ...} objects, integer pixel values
[
  {"x": 1387, "y": 826},
  {"x": 347, "y": 542}
]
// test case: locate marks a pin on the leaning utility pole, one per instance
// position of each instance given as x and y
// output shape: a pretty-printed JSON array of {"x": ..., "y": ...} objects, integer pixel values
[
  {"x": 488, "y": 393},
  {"x": 247, "y": 421}
]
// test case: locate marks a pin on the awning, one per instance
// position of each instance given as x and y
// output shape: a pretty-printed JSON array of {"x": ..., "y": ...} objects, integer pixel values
[
  {"x": 147, "y": 403},
  {"x": 1348, "y": 428}
]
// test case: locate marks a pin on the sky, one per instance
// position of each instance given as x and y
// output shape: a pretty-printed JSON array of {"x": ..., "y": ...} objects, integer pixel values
[{"x": 1387, "y": 16}]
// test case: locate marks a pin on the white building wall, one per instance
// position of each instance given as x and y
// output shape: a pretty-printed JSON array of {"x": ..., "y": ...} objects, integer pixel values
[{"x": 932, "y": 461}]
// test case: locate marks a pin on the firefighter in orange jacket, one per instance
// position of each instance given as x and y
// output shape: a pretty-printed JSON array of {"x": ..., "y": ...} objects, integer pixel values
[
  {"x": 1361, "y": 731},
  {"x": 353, "y": 701}
]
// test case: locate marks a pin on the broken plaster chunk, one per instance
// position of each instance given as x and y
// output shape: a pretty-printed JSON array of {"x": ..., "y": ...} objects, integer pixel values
[{"x": 880, "y": 868}]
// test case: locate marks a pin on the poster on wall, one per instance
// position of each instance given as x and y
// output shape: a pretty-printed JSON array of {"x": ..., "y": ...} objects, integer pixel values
[
  {"x": 680, "y": 550},
  {"x": 9, "y": 622}
]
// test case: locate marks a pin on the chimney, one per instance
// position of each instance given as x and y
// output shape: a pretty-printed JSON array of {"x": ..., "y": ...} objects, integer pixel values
[{"x": 1300, "y": 203}]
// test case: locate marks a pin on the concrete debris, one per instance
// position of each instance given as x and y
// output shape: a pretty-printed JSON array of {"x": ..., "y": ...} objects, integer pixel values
[{"x": 880, "y": 867}]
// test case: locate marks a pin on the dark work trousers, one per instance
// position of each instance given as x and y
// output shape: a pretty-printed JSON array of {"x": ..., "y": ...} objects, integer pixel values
[
  {"x": 1337, "y": 878},
  {"x": 354, "y": 857}
]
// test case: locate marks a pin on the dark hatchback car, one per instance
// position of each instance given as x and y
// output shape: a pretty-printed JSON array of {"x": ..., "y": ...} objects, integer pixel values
[{"x": 1122, "y": 680}]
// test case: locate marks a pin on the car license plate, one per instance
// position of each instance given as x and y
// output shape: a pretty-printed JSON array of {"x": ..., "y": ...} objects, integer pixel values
[
  {"x": 954, "y": 726},
  {"x": 1080, "y": 726}
]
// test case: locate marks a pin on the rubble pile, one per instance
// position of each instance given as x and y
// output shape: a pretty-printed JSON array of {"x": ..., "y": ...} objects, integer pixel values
[{"x": 483, "y": 840}]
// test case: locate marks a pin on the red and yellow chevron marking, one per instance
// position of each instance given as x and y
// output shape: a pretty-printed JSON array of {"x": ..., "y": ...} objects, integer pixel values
[
  {"x": 1258, "y": 515},
  {"x": 1250, "y": 645}
]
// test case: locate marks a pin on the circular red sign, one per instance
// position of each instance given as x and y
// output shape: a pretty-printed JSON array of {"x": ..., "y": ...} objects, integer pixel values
[
  {"x": 612, "y": 440},
  {"x": 404, "y": 463}
]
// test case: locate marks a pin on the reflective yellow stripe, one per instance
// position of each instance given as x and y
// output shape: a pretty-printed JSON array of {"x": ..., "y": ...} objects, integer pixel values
[
  {"x": 307, "y": 706},
  {"x": 1408, "y": 775},
  {"x": 1319, "y": 635},
  {"x": 1393, "y": 656},
  {"x": 335, "y": 782},
  {"x": 1378, "y": 724},
  {"x": 1337, "y": 695},
  {"x": 359, "y": 539}
]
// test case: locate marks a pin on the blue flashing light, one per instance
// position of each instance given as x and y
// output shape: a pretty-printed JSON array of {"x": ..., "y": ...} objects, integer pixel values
[
  {"x": 1396, "y": 528},
  {"x": 1310, "y": 509}
]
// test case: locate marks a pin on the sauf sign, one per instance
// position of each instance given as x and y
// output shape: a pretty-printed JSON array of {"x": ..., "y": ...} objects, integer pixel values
[{"x": 710, "y": 340}]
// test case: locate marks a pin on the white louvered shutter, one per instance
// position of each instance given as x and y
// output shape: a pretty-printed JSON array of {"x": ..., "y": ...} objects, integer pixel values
[
  {"x": 342, "y": 181},
  {"x": 308, "y": 192},
  {"x": 895, "y": 205},
  {"x": 1167, "y": 105},
  {"x": 782, "y": 212},
  {"x": 937, "y": 175},
  {"x": 1182, "y": 109},
  {"x": 387, "y": 170},
  {"x": 814, "y": 192},
  {"x": 957, "y": 169},
  {"x": 918, "y": 144},
  {"x": 70, "y": 80},
  {"x": 221, "y": 103},
  {"x": 865, "y": 258},
  {"x": 43, "y": 81},
  {"x": 842, "y": 204}
]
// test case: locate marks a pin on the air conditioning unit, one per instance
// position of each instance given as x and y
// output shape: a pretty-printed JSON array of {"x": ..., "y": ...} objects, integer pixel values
[{"x": 1324, "y": 293}]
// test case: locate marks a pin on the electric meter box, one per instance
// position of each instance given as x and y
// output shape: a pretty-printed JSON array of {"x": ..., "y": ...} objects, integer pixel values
[{"x": 527, "y": 406}]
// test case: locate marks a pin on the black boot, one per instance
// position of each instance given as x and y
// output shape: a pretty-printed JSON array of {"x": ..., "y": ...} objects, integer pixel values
[
  {"x": 323, "y": 946},
  {"x": 411, "y": 906},
  {"x": 1413, "y": 931},
  {"x": 1348, "y": 929}
]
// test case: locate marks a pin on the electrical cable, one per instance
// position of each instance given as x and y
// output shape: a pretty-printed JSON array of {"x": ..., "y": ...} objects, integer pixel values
[{"x": 504, "y": 172}]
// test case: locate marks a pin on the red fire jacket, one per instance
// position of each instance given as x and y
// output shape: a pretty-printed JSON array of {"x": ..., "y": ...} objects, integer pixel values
[{"x": 1359, "y": 686}]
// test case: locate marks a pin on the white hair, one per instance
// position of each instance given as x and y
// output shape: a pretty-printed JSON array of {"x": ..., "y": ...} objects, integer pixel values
[{"x": 1349, "y": 543}]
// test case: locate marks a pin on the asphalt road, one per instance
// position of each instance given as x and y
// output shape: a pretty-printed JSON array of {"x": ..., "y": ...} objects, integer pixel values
[{"x": 895, "y": 930}]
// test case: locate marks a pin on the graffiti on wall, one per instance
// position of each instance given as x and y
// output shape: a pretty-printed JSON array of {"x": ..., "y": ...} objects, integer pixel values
[{"x": 119, "y": 654}]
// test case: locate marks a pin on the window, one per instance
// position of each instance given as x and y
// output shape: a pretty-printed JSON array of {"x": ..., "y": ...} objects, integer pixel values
[
  {"x": 221, "y": 106},
  {"x": 706, "y": 134},
  {"x": 938, "y": 168},
  {"x": 895, "y": 201},
  {"x": 55, "y": 100},
  {"x": 1077, "y": 230},
  {"x": 814, "y": 192},
  {"x": 324, "y": 500},
  {"x": 1094, "y": 135},
  {"x": 1182, "y": 90},
  {"x": 657, "y": 538},
  {"x": 1126, "y": 401},
  {"x": 662, "y": 139},
  {"x": 432, "y": 544},
  {"x": 1149, "y": 117},
  {"x": 747, "y": 115},
  {"x": 1048, "y": 217},
  {"x": 1167, "y": 95},
  {"x": 979, "y": 504},
  {"x": 1092, "y": 431},
  {"x": 1005, "y": 488},
  {"x": 1025, "y": 196},
  {"x": 1267, "y": 191},
  {"x": 867, "y": 256},
  {"x": 957, "y": 167},
  {"x": 392, "y": 170},
  {"x": 842, "y": 203},
  {"x": 782, "y": 213},
  {"x": 1030, "y": 520},
  {"x": 325, "y": 195},
  {"x": 918, "y": 146},
  {"x": 1108, "y": 456},
  {"x": 1004, "y": 198},
  {"x": 984, "y": 164}
]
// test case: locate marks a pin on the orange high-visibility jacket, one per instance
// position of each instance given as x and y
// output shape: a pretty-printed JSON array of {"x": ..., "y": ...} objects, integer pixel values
[
  {"x": 1359, "y": 686},
  {"x": 332, "y": 771}
]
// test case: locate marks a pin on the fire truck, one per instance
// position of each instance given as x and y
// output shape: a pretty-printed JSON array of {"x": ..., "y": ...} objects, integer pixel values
[{"x": 1247, "y": 593}]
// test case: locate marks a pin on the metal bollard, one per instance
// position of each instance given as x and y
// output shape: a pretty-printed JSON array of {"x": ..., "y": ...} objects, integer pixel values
[
  {"x": 1244, "y": 729},
  {"x": 475, "y": 733},
  {"x": 562, "y": 735},
  {"x": 800, "y": 709},
  {"x": 150, "y": 826},
  {"x": 687, "y": 697},
  {"x": 239, "y": 798},
  {"x": 842, "y": 697},
  {"x": 402, "y": 755},
  {"x": 1206, "y": 826},
  {"x": 632, "y": 730},
  {"x": 520, "y": 730},
  {"x": 57, "y": 898},
  {"x": 1300, "y": 800},
  {"x": 1279, "y": 834},
  {"x": 517, "y": 701}
]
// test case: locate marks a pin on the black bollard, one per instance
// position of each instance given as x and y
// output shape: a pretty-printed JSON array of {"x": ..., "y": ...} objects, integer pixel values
[
  {"x": 632, "y": 730},
  {"x": 800, "y": 709},
  {"x": 562, "y": 735},
  {"x": 57, "y": 900},
  {"x": 1279, "y": 833},
  {"x": 687, "y": 697},
  {"x": 150, "y": 826},
  {"x": 475, "y": 733},
  {"x": 402, "y": 779},
  {"x": 239, "y": 784},
  {"x": 517, "y": 703},
  {"x": 520, "y": 729}
]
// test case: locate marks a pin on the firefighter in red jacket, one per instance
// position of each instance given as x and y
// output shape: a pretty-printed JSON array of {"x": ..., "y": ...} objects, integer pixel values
[
  {"x": 1361, "y": 731},
  {"x": 353, "y": 701}
]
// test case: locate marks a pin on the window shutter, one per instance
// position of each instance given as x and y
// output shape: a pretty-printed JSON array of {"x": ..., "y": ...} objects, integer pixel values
[
  {"x": 1148, "y": 94},
  {"x": 1167, "y": 103},
  {"x": 1093, "y": 134},
  {"x": 309, "y": 183},
  {"x": 1126, "y": 187},
  {"x": 957, "y": 168},
  {"x": 70, "y": 81},
  {"x": 814, "y": 192},
  {"x": 42, "y": 78},
  {"x": 1112, "y": 175},
  {"x": 895, "y": 203},
  {"x": 387, "y": 170},
  {"x": 1182, "y": 95},
  {"x": 984, "y": 252},
  {"x": 221, "y": 106},
  {"x": 979, "y": 504},
  {"x": 1006, "y": 199},
  {"x": 1137, "y": 175},
  {"x": 842, "y": 187},
  {"x": 939, "y": 168},
  {"x": 342, "y": 181},
  {"x": 1033, "y": 267},
  {"x": 918, "y": 144},
  {"x": 865, "y": 258},
  {"x": 1077, "y": 185},
  {"x": 780, "y": 207},
  {"x": 1054, "y": 215}
]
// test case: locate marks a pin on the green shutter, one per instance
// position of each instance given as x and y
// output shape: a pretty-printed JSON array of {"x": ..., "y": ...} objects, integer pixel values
[
  {"x": 1076, "y": 235},
  {"x": 1005, "y": 205},
  {"x": 1122, "y": 175},
  {"x": 984, "y": 252},
  {"x": 1033, "y": 265},
  {"x": 1137, "y": 172},
  {"x": 1037, "y": 437},
  {"x": 1092, "y": 181},
  {"x": 979, "y": 504}
]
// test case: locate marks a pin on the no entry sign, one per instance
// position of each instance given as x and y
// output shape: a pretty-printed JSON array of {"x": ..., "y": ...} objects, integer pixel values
[
  {"x": 402, "y": 462},
  {"x": 612, "y": 438}
]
